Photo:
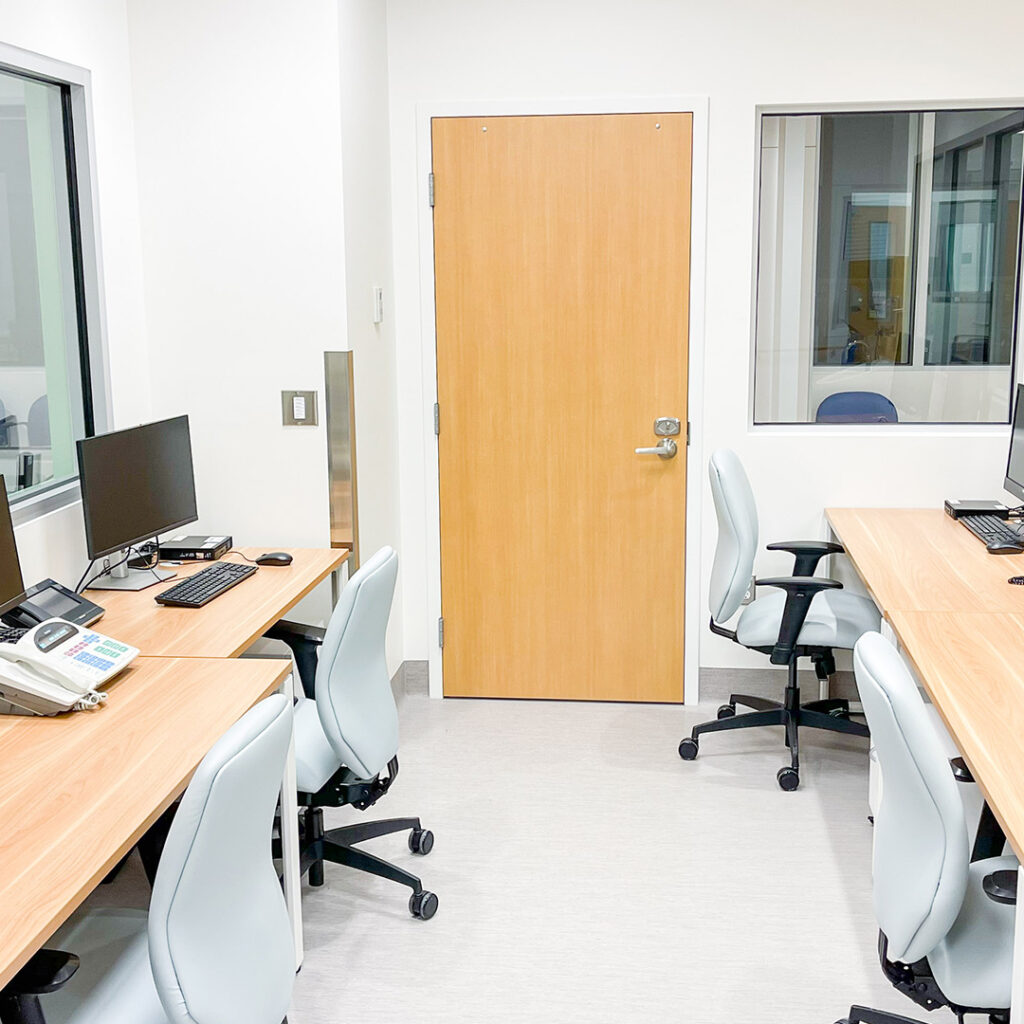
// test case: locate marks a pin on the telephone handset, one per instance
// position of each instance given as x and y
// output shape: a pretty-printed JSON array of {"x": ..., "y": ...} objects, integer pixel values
[{"x": 57, "y": 666}]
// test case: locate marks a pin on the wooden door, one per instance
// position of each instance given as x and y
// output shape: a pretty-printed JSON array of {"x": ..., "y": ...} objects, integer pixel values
[{"x": 561, "y": 259}]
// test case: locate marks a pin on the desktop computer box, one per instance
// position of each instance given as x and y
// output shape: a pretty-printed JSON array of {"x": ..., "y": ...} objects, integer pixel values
[
  {"x": 193, "y": 549},
  {"x": 956, "y": 508}
]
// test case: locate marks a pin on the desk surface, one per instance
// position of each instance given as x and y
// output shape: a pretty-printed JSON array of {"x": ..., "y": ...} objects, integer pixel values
[
  {"x": 972, "y": 665},
  {"x": 78, "y": 790},
  {"x": 228, "y": 624},
  {"x": 962, "y": 627},
  {"x": 920, "y": 560}
]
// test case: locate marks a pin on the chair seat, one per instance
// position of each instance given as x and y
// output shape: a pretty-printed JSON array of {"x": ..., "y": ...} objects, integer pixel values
[
  {"x": 973, "y": 964},
  {"x": 835, "y": 619},
  {"x": 114, "y": 984},
  {"x": 315, "y": 759}
]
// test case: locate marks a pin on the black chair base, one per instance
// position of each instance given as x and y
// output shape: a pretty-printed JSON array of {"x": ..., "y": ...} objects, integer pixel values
[
  {"x": 338, "y": 846},
  {"x": 832, "y": 715},
  {"x": 865, "y": 1015}
]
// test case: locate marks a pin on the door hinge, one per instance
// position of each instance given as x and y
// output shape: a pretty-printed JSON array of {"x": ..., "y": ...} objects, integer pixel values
[
  {"x": 687, "y": 433},
  {"x": 437, "y": 420},
  {"x": 440, "y": 633},
  {"x": 430, "y": 188}
]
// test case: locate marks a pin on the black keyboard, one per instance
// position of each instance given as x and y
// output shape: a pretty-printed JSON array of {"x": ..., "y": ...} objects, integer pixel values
[
  {"x": 205, "y": 585},
  {"x": 11, "y": 634},
  {"x": 991, "y": 528}
]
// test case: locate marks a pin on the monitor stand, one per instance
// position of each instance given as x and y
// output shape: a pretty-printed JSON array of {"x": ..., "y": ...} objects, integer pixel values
[{"x": 121, "y": 577}]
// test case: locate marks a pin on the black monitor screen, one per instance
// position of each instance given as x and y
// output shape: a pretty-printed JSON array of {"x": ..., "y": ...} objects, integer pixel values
[
  {"x": 136, "y": 484},
  {"x": 1014, "y": 481},
  {"x": 12, "y": 586}
]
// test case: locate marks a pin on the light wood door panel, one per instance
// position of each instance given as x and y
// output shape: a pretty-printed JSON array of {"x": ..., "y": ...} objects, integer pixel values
[{"x": 562, "y": 250}]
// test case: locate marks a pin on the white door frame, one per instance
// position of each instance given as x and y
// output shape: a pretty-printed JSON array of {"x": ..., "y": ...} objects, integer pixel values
[{"x": 698, "y": 107}]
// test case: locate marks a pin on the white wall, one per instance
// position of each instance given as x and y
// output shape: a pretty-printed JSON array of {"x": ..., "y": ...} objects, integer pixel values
[
  {"x": 94, "y": 35},
  {"x": 739, "y": 54},
  {"x": 238, "y": 115},
  {"x": 362, "y": 30}
]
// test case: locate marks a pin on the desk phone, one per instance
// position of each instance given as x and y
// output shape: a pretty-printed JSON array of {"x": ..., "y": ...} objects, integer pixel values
[{"x": 58, "y": 666}]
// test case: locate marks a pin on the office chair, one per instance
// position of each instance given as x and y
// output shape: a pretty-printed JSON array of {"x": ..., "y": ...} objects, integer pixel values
[
  {"x": 945, "y": 915},
  {"x": 811, "y": 618},
  {"x": 856, "y": 407},
  {"x": 216, "y": 946},
  {"x": 347, "y": 734},
  {"x": 39, "y": 423}
]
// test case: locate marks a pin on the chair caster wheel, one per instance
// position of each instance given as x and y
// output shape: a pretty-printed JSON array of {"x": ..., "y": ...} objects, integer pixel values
[
  {"x": 423, "y": 905},
  {"x": 421, "y": 841},
  {"x": 789, "y": 779},
  {"x": 726, "y": 711},
  {"x": 688, "y": 749}
]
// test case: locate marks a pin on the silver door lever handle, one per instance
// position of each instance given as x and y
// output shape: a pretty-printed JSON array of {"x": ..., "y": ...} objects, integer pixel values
[{"x": 666, "y": 448}]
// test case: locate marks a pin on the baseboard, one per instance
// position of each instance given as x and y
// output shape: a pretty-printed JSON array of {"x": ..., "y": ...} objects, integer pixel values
[
  {"x": 716, "y": 684},
  {"x": 411, "y": 679}
]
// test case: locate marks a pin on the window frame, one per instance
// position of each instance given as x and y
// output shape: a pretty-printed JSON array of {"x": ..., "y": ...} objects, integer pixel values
[
  {"x": 811, "y": 108},
  {"x": 75, "y": 84}
]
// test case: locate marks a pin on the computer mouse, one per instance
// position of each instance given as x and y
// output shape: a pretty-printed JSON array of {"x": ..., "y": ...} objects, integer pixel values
[
  {"x": 1004, "y": 547},
  {"x": 280, "y": 558}
]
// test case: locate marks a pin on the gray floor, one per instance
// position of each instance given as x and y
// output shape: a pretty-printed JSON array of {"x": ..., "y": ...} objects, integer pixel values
[{"x": 585, "y": 873}]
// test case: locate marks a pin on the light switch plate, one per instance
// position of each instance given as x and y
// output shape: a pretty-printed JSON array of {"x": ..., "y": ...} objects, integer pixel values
[{"x": 298, "y": 409}]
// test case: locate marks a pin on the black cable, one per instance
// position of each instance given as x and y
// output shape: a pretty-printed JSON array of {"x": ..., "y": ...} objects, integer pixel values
[
  {"x": 78, "y": 589},
  {"x": 235, "y": 551},
  {"x": 104, "y": 572},
  {"x": 110, "y": 568}
]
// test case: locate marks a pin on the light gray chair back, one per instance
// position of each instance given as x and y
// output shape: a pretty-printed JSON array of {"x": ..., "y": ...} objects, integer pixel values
[
  {"x": 353, "y": 690},
  {"x": 220, "y": 940},
  {"x": 737, "y": 533},
  {"x": 921, "y": 859}
]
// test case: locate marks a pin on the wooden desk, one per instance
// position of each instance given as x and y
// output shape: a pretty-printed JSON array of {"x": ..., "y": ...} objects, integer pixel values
[
  {"x": 947, "y": 602},
  {"x": 920, "y": 560},
  {"x": 230, "y": 623},
  {"x": 77, "y": 791},
  {"x": 972, "y": 665}
]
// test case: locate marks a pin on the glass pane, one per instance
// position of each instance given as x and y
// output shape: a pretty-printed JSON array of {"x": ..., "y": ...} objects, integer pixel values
[
  {"x": 974, "y": 226},
  {"x": 41, "y": 408},
  {"x": 865, "y": 238},
  {"x": 887, "y": 274}
]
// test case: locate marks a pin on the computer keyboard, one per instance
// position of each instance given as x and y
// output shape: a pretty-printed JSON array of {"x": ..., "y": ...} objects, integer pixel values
[
  {"x": 991, "y": 528},
  {"x": 205, "y": 585},
  {"x": 11, "y": 634}
]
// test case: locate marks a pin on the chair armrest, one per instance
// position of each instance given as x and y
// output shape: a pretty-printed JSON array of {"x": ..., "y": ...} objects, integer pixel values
[
  {"x": 800, "y": 591},
  {"x": 47, "y": 971},
  {"x": 295, "y": 631},
  {"x": 305, "y": 643},
  {"x": 990, "y": 840},
  {"x": 807, "y": 553},
  {"x": 1001, "y": 886}
]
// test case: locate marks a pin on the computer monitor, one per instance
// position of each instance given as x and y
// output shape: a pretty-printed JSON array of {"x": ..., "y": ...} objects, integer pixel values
[
  {"x": 12, "y": 586},
  {"x": 1014, "y": 481},
  {"x": 136, "y": 484}
]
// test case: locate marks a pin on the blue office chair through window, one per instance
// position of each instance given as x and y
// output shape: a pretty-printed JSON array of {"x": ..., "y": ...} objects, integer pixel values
[{"x": 856, "y": 407}]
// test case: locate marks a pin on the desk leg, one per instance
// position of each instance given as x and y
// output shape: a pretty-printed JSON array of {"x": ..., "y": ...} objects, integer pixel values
[
  {"x": 335, "y": 588},
  {"x": 290, "y": 837},
  {"x": 1017, "y": 988}
]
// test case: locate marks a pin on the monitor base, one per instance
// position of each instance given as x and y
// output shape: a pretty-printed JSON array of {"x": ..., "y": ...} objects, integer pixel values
[{"x": 137, "y": 579}]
